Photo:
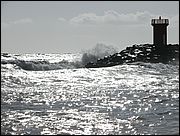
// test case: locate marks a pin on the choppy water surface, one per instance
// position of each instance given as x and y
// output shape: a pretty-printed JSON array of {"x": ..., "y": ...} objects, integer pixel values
[{"x": 52, "y": 94}]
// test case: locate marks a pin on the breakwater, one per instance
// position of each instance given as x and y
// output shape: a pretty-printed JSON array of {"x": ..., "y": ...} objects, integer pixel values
[{"x": 149, "y": 53}]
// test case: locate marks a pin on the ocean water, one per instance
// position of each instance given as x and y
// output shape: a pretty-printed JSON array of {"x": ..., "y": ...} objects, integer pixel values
[{"x": 53, "y": 94}]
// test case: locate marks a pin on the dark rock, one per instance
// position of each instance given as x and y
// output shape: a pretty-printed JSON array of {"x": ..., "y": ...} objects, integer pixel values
[{"x": 145, "y": 53}]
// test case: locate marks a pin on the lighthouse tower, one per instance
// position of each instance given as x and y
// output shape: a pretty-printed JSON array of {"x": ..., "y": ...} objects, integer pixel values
[{"x": 160, "y": 31}]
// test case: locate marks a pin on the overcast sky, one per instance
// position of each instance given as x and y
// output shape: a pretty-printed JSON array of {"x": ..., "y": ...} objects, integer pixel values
[{"x": 72, "y": 26}]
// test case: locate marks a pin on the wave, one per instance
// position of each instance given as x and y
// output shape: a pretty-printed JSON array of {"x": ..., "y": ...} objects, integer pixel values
[
  {"x": 37, "y": 65},
  {"x": 43, "y": 65},
  {"x": 99, "y": 51},
  {"x": 92, "y": 55}
]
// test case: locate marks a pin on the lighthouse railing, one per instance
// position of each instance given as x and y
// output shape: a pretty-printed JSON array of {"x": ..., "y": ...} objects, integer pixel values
[{"x": 159, "y": 21}]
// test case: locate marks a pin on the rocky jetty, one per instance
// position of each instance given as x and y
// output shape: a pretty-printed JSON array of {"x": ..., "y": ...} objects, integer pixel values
[{"x": 140, "y": 53}]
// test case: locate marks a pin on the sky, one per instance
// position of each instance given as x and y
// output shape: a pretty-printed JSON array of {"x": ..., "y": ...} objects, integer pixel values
[{"x": 73, "y": 26}]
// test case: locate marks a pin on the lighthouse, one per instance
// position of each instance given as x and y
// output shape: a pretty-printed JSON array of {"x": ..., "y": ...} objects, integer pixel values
[{"x": 160, "y": 31}]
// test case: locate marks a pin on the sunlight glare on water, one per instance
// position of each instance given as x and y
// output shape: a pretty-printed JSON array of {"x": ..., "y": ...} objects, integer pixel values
[{"x": 124, "y": 99}]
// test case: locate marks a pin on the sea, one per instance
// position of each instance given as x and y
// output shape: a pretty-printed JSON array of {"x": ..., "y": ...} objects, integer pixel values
[{"x": 54, "y": 94}]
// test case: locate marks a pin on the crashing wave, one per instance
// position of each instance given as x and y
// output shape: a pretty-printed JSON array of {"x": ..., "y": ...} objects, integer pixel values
[
  {"x": 92, "y": 55},
  {"x": 42, "y": 65},
  {"x": 98, "y": 52}
]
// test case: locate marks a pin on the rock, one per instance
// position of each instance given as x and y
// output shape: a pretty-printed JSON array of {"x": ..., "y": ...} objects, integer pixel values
[{"x": 144, "y": 53}]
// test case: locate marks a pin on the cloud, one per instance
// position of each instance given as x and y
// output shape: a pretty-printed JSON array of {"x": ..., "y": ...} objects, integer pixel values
[
  {"x": 23, "y": 21},
  {"x": 86, "y": 18},
  {"x": 112, "y": 17},
  {"x": 16, "y": 22},
  {"x": 61, "y": 19}
]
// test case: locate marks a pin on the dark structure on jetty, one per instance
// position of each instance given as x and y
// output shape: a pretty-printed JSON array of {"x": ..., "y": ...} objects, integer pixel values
[
  {"x": 158, "y": 52},
  {"x": 160, "y": 31}
]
